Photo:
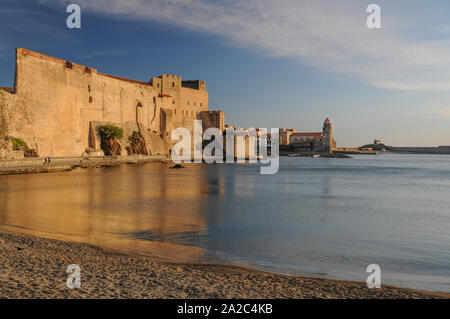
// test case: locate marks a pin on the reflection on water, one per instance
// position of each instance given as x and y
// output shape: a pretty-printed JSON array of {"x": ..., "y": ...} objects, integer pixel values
[
  {"x": 105, "y": 206},
  {"x": 319, "y": 217}
]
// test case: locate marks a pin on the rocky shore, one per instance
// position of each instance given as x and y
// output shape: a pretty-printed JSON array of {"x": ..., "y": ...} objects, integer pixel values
[
  {"x": 34, "y": 267},
  {"x": 37, "y": 165}
]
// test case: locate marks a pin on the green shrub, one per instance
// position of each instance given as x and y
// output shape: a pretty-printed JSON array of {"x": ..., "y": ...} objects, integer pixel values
[
  {"x": 135, "y": 136},
  {"x": 110, "y": 131},
  {"x": 18, "y": 143}
]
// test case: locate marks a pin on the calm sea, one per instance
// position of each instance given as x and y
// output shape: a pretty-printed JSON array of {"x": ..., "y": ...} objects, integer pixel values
[{"x": 316, "y": 217}]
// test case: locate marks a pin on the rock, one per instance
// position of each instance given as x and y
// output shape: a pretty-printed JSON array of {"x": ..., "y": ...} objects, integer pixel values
[
  {"x": 129, "y": 150},
  {"x": 7, "y": 152},
  {"x": 111, "y": 147},
  {"x": 28, "y": 152},
  {"x": 177, "y": 166},
  {"x": 138, "y": 145}
]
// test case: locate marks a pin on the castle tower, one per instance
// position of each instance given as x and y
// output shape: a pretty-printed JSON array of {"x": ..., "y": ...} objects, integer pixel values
[{"x": 327, "y": 130}]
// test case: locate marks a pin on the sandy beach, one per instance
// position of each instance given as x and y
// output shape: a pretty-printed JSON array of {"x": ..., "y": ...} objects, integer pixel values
[{"x": 34, "y": 267}]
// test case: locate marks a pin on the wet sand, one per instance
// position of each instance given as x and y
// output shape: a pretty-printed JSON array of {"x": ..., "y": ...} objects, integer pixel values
[{"x": 34, "y": 267}]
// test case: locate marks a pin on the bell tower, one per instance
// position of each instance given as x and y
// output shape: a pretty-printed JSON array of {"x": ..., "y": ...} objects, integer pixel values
[{"x": 327, "y": 131}]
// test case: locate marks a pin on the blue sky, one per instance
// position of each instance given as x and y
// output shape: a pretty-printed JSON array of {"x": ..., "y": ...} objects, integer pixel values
[{"x": 266, "y": 63}]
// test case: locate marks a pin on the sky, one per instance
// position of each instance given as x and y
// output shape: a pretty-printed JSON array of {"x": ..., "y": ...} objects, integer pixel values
[{"x": 266, "y": 63}]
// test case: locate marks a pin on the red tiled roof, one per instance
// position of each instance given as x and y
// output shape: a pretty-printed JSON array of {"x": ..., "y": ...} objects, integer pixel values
[
  {"x": 10, "y": 90},
  {"x": 124, "y": 79},
  {"x": 318, "y": 134}
]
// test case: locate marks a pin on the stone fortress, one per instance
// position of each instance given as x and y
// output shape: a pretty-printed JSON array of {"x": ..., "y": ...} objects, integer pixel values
[{"x": 57, "y": 107}]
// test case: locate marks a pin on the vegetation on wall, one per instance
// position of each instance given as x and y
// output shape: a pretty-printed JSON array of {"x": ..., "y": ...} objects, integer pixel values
[
  {"x": 138, "y": 145},
  {"x": 18, "y": 144},
  {"x": 134, "y": 137},
  {"x": 110, "y": 131}
]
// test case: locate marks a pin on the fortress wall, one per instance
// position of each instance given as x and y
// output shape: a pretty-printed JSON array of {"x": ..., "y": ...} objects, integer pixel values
[
  {"x": 8, "y": 101},
  {"x": 58, "y": 103},
  {"x": 185, "y": 102},
  {"x": 51, "y": 100},
  {"x": 213, "y": 119},
  {"x": 57, "y": 106},
  {"x": 171, "y": 85},
  {"x": 115, "y": 101},
  {"x": 198, "y": 101}
]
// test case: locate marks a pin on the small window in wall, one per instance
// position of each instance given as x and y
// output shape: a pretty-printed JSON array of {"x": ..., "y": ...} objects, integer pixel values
[
  {"x": 173, "y": 84},
  {"x": 90, "y": 99},
  {"x": 175, "y": 112},
  {"x": 87, "y": 70},
  {"x": 182, "y": 112},
  {"x": 157, "y": 85},
  {"x": 188, "y": 102},
  {"x": 69, "y": 65},
  {"x": 89, "y": 88},
  {"x": 201, "y": 104},
  {"x": 173, "y": 101}
]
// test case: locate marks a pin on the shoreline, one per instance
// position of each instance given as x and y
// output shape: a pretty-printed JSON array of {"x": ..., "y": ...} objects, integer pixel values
[
  {"x": 62, "y": 164},
  {"x": 36, "y": 165},
  {"x": 35, "y": 267}
]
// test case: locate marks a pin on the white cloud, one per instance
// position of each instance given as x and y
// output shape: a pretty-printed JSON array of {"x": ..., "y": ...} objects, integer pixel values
[
  {"x": 330, "y": 35},
  {"x": 432, "y": 113}
]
